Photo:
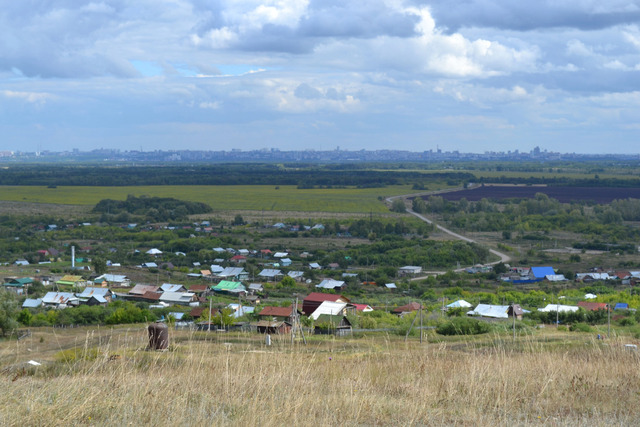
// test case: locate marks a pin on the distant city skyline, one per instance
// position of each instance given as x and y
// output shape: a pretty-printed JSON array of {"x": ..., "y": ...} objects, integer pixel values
[{"x": 474, "y": 76}]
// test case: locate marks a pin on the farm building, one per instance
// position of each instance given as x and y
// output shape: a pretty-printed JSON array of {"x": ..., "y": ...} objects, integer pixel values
[
  {"x": 278, "y": 327},
  {"x": 314, "y": 299},
  {"x": 327, "y": 324},
  {"x": 278, "y": 313}
]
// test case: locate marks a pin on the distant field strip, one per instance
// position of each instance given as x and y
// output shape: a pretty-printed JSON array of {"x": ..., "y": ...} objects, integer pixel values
[{"x": 221, "y": 198}]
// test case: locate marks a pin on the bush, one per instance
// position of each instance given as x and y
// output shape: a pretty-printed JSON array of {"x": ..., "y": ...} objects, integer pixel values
[
  {"x": 463, "y": 326},
  {"x": 580, "y": 327}
]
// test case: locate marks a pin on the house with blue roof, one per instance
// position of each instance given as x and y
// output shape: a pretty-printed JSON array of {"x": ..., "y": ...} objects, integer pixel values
[{"x": 541, "y": 272}]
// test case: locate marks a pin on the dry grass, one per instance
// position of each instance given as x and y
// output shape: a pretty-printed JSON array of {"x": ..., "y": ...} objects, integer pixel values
[{"x": 236, "y": 380}]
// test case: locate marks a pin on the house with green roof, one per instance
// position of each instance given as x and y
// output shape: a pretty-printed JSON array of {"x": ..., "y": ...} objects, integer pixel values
[
  {"x": 17, "y": 285},
  {"x": 229, "y": 287}
]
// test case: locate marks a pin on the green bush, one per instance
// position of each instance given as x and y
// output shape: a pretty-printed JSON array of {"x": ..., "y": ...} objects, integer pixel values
[
  {"x": 580, "y": 327},
  {"x": 463, "y": 326}
]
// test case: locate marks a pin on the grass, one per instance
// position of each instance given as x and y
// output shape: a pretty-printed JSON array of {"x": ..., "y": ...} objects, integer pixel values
[
  {"x": 375, "y": 380},
  {"x": 221, "y": 198}
]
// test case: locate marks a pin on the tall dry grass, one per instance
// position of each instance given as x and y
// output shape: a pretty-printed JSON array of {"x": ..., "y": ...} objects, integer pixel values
[{"x": 380, "y": 380}]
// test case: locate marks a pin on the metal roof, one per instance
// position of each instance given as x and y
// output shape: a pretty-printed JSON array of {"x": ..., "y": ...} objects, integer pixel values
[
  {"x": 486, "y": 310},
  {"x": 270, "y": 272},
  {"x": 89, "y": 292},
  {"x": 329, "y": 307},
  {"x": 541, "y": 272},
  {"x": 330, "y": 284}
]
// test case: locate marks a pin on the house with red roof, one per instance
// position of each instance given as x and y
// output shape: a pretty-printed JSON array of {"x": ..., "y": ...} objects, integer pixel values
[{"x": 593, "y": 306}]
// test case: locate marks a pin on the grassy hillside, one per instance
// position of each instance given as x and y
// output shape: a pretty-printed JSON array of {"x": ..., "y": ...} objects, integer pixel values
[{"x": 108, "y": 378}]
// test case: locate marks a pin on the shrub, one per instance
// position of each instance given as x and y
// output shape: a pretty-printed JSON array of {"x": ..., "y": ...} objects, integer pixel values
[
  {"x": 580, "y": 327},
  {"x": 463, "y": 326}
]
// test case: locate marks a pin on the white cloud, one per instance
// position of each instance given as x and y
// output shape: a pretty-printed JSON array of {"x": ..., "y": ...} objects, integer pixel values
[{"x": 30, "y": 97}]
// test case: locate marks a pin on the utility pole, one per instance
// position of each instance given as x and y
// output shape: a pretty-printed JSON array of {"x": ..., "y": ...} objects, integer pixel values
[
  {"x": 421, "y": 323},
  {"x": 608, "y": 321}
]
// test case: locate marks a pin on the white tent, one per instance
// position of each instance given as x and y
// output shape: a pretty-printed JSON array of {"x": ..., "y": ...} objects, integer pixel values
[{"x": 154, "y": 251}]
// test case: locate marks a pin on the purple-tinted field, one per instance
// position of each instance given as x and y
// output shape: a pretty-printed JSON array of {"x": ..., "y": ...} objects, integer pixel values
[{"x": 562, "y": 194}]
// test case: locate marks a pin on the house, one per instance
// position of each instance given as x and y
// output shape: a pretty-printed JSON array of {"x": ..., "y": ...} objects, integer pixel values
[
  {"x": 298, "y": 276},
  {"x": 116, "y": 280},
  {"x": 255, "y": 287},
  {"x": 552, "y": 308},
  {"x": 279, "y": 313},
  {"x": 331, "y": 284},
  {"x": 314, "y": 299},
  {"x": 149, "y": 265},
  {"x": 364, "y": 308},
  {"x": 95, "y": 296},
  {"x": 390, "y": 286},
  {"x": 71, "y": 280},
  {"x": 555, "y": 278},
  {"x": 240, "y": 310},
  {"x": 593, "y": 306},
  {"x": 139, "y": 290},
  {"x": 539, "y": 273},
  {"x": 234, "y": 273},
  {"x": 238, "y": 259},
  {"x": 59, "y": 300},
  {"x": 197, "y": 312},
  {"x": 407, "y": 308},
  {"x": 21, "y": 262},
  {"x": 198, "y": 289},
  {"x": 286, "y": 262},
  {"x": 280, "y": 254},
  {"x": 169, "y": 287},
  {"x": 270, "y": 274},
  {"x": 216, "y": 269},
  {"x": 332, "y": 325},
  {"x": 32, "y": 303},
  {"x": 229, "y": 287},
  {"x": 409, "y": 270},
  {"x": 592, "y": 277},
  {"x": 333, "y": 309},
  {"x": 277, "y": 327},
  {"x": 18, "y": 285},
  {"x": 314, "y": 266},
  {"x": 180, "y": 298}
]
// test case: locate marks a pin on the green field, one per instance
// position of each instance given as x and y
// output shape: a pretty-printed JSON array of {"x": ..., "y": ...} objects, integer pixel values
[{"x": 221, "y": 198}]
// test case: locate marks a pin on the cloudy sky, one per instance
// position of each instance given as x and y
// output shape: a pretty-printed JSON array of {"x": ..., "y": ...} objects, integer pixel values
[{"x": 468, "y": 75}]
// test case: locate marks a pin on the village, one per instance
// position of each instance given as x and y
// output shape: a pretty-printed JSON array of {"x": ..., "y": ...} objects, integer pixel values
[{"x": 226, "y": 297}]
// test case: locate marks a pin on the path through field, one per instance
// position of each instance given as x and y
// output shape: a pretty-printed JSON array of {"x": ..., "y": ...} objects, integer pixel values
[{"x": 504, "y": 258}]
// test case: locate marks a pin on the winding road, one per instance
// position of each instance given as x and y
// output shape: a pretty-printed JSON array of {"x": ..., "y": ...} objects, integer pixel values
[{"x": 504, "y": 258}]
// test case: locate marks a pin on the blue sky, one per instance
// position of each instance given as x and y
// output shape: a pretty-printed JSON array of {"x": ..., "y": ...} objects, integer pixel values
[{"x": 474, "y": 75}]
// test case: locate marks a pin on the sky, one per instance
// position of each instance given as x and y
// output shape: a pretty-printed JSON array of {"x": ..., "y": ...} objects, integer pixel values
[{"x": 468, "y": 75}]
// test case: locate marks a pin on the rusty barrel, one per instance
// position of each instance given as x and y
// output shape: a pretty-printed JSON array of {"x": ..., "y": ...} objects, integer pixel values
[{"x": 158, "y": 336}]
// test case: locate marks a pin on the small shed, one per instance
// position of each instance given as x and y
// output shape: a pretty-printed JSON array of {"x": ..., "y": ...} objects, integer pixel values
[
  {"x": 327, "y": 324},
  {"x": 279, "y": 327}
]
